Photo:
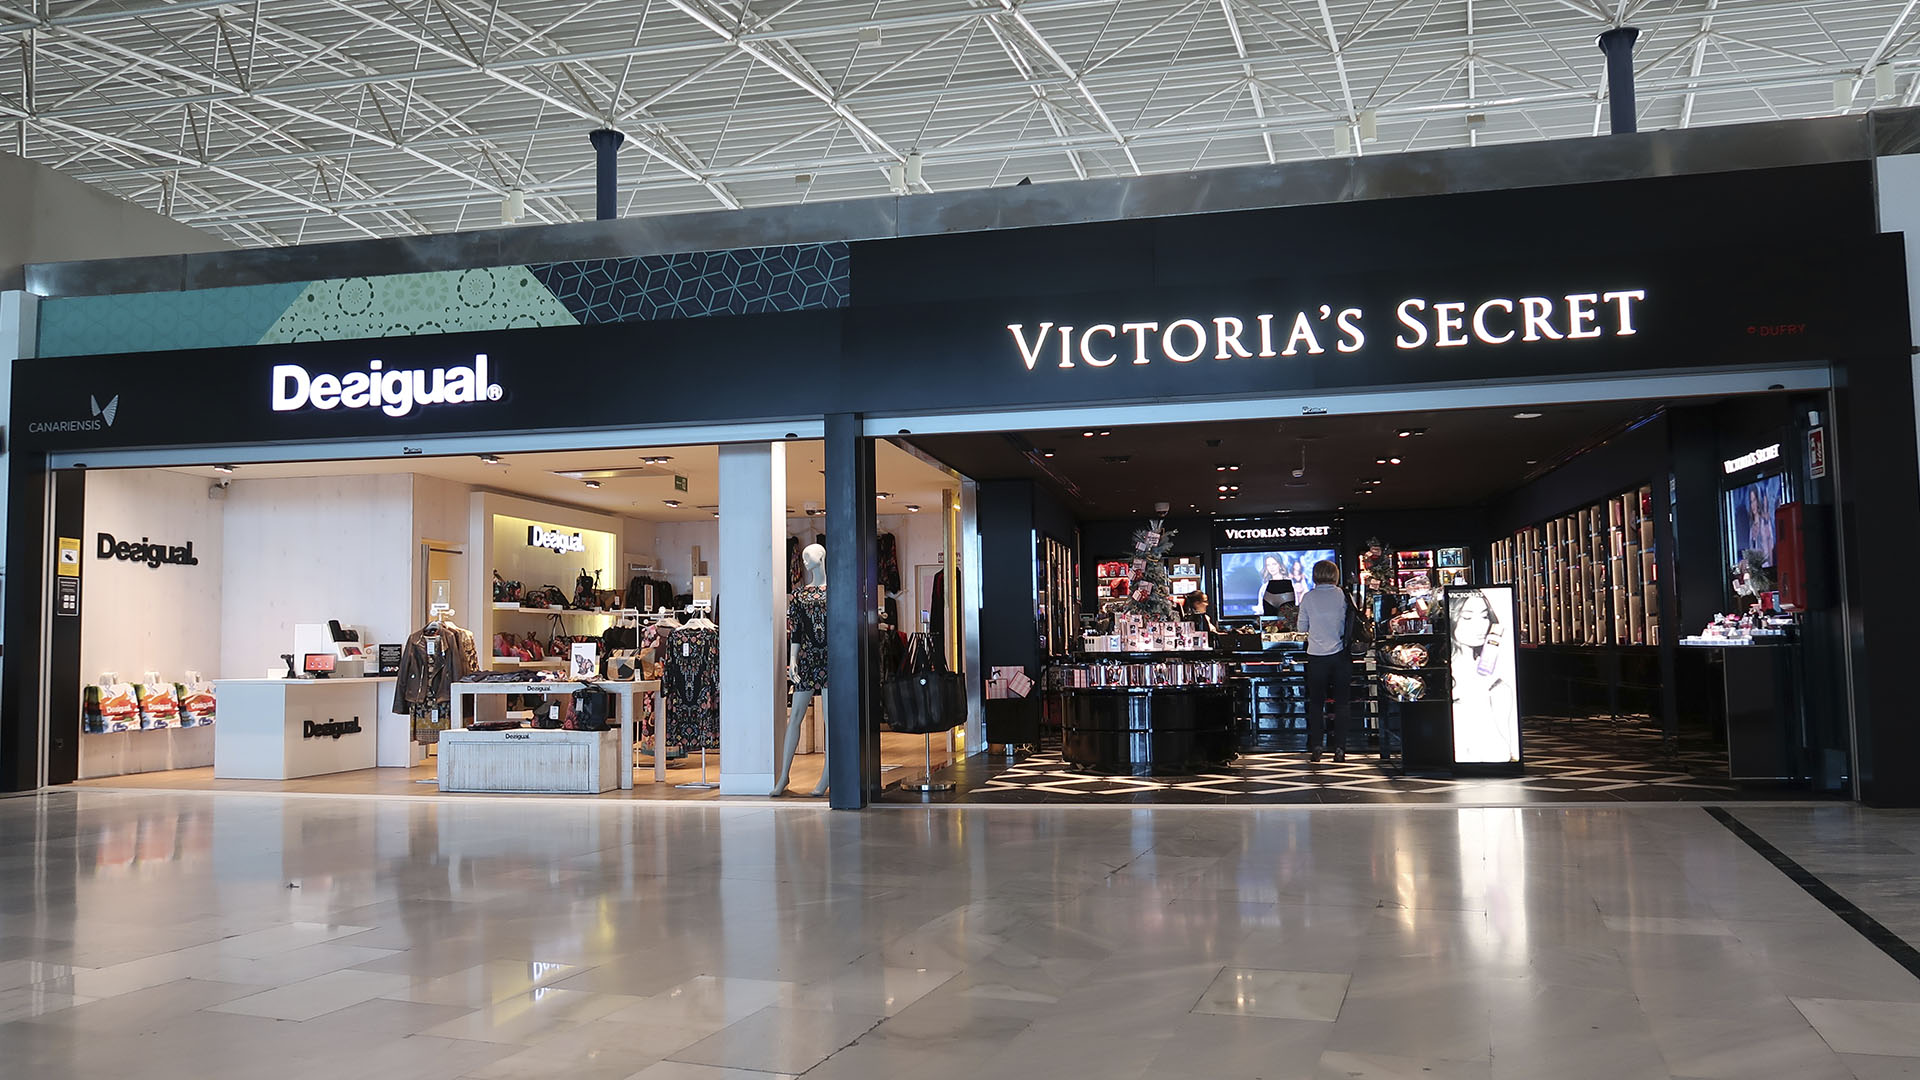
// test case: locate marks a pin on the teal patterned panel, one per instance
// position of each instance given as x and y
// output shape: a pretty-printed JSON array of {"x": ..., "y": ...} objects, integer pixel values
[
  {"x": 154, "y": 322},
  {"x": 404, "y": 305}
]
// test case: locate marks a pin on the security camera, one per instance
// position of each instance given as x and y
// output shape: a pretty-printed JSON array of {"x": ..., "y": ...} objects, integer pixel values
[{"x": 218, "y": 490}]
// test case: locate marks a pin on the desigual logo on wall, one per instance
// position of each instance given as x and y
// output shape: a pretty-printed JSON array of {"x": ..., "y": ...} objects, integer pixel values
[
  {"x": 395, "y": 392},
  {"x": 99, "y": 419}
]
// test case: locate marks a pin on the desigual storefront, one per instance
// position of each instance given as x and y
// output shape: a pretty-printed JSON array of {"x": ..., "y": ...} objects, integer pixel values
[{"x": 861, "y": 355}]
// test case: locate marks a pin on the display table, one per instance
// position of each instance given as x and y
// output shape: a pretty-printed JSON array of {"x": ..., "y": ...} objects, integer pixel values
[
  {"x": 526, "y": 760},
  {"x": 280, "y": 729},
  {"x": 1761, "y": 694},
  {"x": 622, "y": 693},
  {"x": 1148, "y": 731}
]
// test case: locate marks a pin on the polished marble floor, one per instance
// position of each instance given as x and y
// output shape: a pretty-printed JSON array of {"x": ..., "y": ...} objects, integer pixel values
[
  {"x": 212, "y": 936},
  {"x": 1585, "y": 759}
]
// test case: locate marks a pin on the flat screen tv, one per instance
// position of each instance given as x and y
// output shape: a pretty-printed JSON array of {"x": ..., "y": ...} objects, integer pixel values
[
  {"x": 1750, "y": 510},
  {"x": 1253, "y": 583}
]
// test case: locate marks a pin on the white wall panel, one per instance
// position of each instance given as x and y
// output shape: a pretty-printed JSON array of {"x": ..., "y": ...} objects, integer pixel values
[{"x": 309, "y": 549}]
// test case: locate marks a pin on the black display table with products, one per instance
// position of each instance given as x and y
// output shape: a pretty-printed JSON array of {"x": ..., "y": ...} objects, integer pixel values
[
  {"x": 1761, "y": 697},
  {"x": 1148, "y": 714}
]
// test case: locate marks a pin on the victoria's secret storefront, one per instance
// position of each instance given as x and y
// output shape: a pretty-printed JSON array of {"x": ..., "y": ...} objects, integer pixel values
[{"x": 1279, "y": 312}]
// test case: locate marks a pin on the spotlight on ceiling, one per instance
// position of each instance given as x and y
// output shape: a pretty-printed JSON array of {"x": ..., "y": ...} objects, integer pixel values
[
  {"x": 223, "y": 468},
  {"x": 1047, "y": 452},
  {"x": 912, "y": 508},
  {"x": 671, "y": 502},
  {"x": 1393, "y": 461},
  {"x": 883, "y": 494},
  {"x": 490, "y": 459},
  {"x": 1526, "y": 416},
  {"x": 591, "y": 483}
]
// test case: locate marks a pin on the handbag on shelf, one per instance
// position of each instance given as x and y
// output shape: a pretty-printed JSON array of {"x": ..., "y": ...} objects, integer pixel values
[{"x": 924, "y": 697}]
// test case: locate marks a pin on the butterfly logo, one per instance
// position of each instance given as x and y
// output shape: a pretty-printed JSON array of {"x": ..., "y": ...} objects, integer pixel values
[{"x": 112, "y": 407}]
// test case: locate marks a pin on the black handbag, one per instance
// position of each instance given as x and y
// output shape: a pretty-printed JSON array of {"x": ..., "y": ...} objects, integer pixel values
[
  {"x": 589, "y": 711},
  {"x": 925, "y": 698}
]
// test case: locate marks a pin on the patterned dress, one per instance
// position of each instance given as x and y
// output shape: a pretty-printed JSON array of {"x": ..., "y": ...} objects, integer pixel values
[
  {"x": 807, "y": 628},
  {"x": 691, "y": 678}
]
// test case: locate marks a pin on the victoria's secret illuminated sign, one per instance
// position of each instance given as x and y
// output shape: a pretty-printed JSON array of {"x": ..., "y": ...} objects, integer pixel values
[{"x": 1418, "y": 324}]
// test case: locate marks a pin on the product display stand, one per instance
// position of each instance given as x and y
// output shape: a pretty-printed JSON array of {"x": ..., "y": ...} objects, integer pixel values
[
  {"x": 622, "y": 692},
  {"x": 927, "y": 783},
  {"x": 701, "y": 784}
]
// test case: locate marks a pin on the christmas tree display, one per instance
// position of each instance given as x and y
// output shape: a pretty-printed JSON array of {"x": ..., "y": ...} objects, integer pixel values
[{"x": 1152, "y": 596}]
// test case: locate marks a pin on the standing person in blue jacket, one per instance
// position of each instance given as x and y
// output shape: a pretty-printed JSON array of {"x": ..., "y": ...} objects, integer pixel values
[{"x": 1323, "y": 618}]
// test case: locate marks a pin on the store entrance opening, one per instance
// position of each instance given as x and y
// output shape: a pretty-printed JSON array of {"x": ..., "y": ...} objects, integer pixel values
[
  {"x": 1635, "y": 600},
  {"x": 556, "y": 622}
]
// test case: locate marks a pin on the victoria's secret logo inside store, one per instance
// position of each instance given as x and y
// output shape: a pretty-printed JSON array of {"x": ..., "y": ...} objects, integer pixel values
[{"x": 1418, "y": 324}]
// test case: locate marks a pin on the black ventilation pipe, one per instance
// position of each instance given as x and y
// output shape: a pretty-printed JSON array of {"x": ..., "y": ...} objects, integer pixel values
[
  {"x": 606, "y": 177},
  {"x": 1617, "y": 43}
]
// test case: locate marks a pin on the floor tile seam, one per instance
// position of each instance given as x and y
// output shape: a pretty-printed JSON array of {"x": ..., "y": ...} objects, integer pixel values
[{"x": 1895, "y": 947}]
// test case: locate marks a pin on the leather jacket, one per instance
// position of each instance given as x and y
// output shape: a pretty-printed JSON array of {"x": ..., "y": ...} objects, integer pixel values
[{"x": 428, "y": 680}]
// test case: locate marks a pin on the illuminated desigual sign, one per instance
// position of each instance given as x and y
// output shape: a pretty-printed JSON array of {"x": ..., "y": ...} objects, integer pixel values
[
  {"x": 1418, "y": 324},
  {"x": 395, "y": 392}
]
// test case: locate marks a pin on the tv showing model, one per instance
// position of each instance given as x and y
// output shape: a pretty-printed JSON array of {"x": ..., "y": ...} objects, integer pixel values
[
  {"x": 1256, "y": 583},
  {"x": 1750, "y": 517}
]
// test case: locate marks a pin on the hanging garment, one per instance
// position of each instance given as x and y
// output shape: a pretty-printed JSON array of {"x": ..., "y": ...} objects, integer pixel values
[
  {"x": 691, "y": 675},
  {"x": 433, "y": 659},
  {"x": 937, "y": 612},
  {"x": 807, "y": 628},
  {"x": 889, "y": 563}
]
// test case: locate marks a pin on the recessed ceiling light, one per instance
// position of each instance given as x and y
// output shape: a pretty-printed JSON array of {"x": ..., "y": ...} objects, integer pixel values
[
  {"x": 1106, "y": 433},
  {"x": 223, "y": 468},
  {"x": 1380, "y": 461},
  {"x": 658, "y": 459},
  {"x": 912, "y": 509},
  {"x": 490, "y": 459},
  {"x": 1526, "y": 416},
  {"x": 1086, "y": 434},
  {"x": 1223, "y": 487},
  {"x": 883, "y": 494},
  {"x": 671, "y": 502},
  {"x": 1393, "y": 461},
  {"x": 716, "y": 513},
  {"x": 1046, "y": 453},
  {"x": 591, "y": 483},
  {"x": 1533, "y": 461}
]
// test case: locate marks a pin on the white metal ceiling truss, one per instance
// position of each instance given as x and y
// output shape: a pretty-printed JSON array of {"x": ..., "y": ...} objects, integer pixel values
[{"x": 282, "y": 121}]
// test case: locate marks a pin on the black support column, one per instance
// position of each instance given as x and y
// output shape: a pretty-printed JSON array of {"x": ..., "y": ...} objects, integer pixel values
[
  {"x": 606, "y": 172},
  {"x": 853, "y": 618},
  {"x": 1617, "y": 43}
]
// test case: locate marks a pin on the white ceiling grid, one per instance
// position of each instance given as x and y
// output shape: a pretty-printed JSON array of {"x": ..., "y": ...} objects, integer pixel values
[{"x": 284, "y": 121}]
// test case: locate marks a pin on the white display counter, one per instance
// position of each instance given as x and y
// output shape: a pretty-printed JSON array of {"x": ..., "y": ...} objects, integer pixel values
[
  {"x": 279, "y": 729},
  {"x": 527, "y": 761}
]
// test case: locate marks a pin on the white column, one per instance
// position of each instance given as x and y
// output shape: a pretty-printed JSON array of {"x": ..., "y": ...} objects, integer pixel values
[{"x": 751, "y": 589}]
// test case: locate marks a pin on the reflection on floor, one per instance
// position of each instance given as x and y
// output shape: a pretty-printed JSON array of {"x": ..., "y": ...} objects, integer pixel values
[
  {"x": 182, "y": 936},
  {"x": 1567, "y": 760},
  {"x": 902, "y": 757}
]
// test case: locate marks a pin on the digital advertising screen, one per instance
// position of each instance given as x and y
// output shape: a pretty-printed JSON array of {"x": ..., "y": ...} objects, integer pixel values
[
  {"x": 1486, "y": 705},
  {"x": 1254, "y": 583},
  {"x": 1750, "y": 510}
]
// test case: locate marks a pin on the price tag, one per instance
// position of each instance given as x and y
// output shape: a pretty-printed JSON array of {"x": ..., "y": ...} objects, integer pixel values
[{"x": 686, "y": 648}]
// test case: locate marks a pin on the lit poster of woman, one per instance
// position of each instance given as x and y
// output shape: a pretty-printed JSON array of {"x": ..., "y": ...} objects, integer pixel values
[{"x": 1486, "y": 711}]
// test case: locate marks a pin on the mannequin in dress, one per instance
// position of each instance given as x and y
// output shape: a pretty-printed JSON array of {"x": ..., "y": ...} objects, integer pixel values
[{"x": 806, "y": 659}]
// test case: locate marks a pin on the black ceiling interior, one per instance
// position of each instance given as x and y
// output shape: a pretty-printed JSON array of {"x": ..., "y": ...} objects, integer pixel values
[{"x": 1464, "y": 458}]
